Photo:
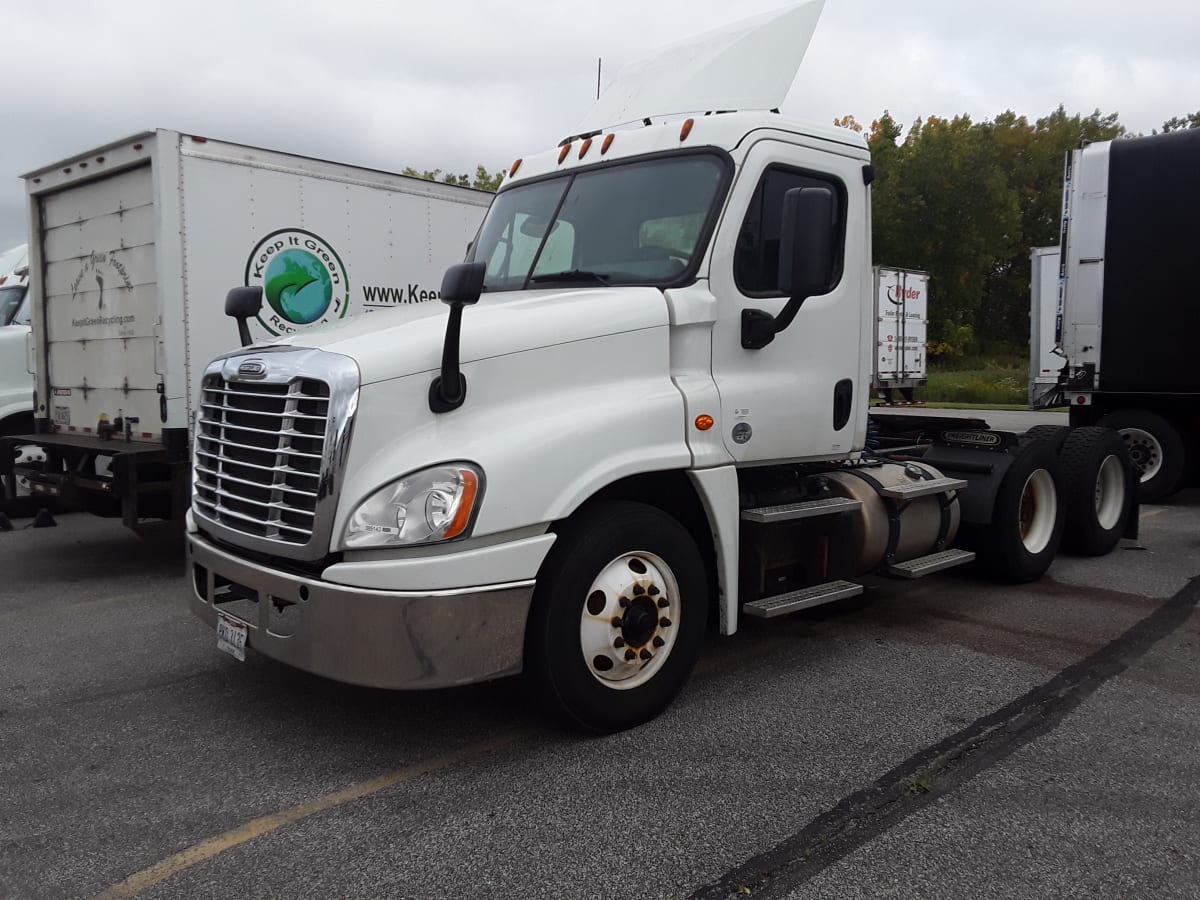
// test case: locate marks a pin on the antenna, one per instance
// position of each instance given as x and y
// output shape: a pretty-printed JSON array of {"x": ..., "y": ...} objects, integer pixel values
[{"x": 599, "y": 63}]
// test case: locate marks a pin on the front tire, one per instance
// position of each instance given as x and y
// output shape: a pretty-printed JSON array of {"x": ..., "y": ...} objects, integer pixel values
[{"x": 618, "y": 617}]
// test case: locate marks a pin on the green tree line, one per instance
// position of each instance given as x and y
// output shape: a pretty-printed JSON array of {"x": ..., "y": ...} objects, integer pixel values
[
  {"x": 966, "y": 201},
  {"x": 483, "y": 179}
]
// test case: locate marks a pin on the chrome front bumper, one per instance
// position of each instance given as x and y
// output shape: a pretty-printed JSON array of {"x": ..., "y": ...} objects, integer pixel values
[{"x": 387, "y": 639}]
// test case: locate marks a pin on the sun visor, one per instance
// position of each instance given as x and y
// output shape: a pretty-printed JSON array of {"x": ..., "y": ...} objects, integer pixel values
[{"x": 747, "y": 65}]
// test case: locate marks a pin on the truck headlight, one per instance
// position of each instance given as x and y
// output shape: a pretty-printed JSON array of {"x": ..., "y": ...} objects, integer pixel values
[{"x": 434, "y": 504}]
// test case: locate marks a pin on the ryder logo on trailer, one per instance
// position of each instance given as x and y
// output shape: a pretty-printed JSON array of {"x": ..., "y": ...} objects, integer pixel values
[{"x": 303, "y": 279}]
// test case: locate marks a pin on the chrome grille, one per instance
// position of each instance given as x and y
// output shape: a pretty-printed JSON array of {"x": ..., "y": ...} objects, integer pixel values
[{"x": 259, "y": 452}]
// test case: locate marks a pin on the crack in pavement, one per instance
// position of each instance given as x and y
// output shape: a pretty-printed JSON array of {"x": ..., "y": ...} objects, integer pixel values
[{"x": 941, "y": 769}]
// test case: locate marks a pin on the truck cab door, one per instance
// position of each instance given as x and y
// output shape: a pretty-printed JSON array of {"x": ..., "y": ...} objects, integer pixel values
[{"x": 802, "y": 395}]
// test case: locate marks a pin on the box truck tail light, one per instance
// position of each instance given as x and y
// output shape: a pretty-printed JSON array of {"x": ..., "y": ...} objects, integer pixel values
[
  {"x": 607, "y": 143},
  {"x": 686, "y": 130},
  {"x": 562, "y": 154},
  {"x": 513, "y": 171},
  {"x": 585, "y": 147}
]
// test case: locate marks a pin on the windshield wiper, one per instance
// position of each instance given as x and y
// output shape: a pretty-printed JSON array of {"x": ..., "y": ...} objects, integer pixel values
[{"x": 572, "y": 275}]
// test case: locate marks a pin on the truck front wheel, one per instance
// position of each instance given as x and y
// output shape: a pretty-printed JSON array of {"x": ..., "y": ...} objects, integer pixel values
[
  {"x": 618, "y": 617},
  {"x": 1157, "y": 450}
]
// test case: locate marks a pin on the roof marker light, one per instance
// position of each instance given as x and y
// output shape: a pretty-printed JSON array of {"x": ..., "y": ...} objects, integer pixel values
[
  {"x": 513, "y": 170},
  {"x": 607, "y": 143},
  {"x": 67, "y": 170},
  {"x": 137, "y": 146},
  {"x": 99, "y": 159},
  {"x": 686, "y": 129},
  {"x": 585, "y": 147},
  {"x": 562, "y": 154}
]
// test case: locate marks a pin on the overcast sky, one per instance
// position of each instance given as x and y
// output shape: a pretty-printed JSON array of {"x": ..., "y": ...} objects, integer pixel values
[{"x": 451, "y": 85}]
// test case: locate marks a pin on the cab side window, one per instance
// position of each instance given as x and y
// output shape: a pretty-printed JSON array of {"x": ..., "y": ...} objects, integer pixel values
[{"x": 756, "y": 259}]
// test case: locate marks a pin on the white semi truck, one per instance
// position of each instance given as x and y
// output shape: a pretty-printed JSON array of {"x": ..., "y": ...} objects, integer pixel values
[
  {"x": 16, "y": 382},
  {"x": 645, "y": 409},
  {"x": 902, "y": 304},
  {"x": 130, "y": 244},
  {"x": 1124, "y": 314}
]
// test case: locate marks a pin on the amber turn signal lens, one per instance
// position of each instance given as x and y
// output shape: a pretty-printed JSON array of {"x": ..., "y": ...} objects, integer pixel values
[
  {"x": 585, "y": 147},
  {"x": 562, "y": 154},
  {"x": 686, "y": 129},
  {"x": 703, "y": 423},
  {"x": 608, "y": 139},
  {"x": 513, "y": 171},
  {"x": 466, "y": 505}
]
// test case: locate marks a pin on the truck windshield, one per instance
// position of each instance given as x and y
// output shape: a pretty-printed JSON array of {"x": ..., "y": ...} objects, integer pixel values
[
  {"x": 12, "y": 310},
  {"x": 642, "y": 222}
]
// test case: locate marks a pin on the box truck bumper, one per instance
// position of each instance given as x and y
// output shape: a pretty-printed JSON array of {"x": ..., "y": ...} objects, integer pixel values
[{"x": 386, "y": 639}]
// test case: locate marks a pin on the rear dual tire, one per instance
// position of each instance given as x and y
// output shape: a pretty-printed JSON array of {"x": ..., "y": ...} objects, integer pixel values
[{"x": 1157, "y": 448}]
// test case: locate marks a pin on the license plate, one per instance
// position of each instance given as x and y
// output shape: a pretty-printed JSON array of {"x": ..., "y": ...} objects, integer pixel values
[
  {"x": 231, "y": 636},
  {"x": 62, "y": 415}
]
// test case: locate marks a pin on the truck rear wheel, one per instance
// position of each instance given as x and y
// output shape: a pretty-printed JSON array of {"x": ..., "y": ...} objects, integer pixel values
[
  {"x": 1027, "y": 524},
  {"x": 1098, "y": 489},
  {"x": 618, "y": 617},
  {"x": 1157, "y": 449}
]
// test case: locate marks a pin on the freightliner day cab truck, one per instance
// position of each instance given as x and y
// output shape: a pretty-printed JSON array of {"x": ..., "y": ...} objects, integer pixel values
[
  {"x": 646, "y": 409},
  {"x": 1127, "y": 321},
  {"x": 132, "y": 247}
]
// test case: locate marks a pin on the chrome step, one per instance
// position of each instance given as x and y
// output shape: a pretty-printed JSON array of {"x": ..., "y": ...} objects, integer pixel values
[
  {"x": 805, "y": 510},
  {"x": 782, "y": 604},
  {"x": 922, "y": 488},
  {"x": 934, "y": 562}
]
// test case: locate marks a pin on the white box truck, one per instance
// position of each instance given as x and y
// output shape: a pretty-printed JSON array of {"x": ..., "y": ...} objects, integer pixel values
[
  {"x": 1045, "y": 357},
  {"x": 902, "y": 302},
  {"x": 645, "y": 409},
  {"x": 132, "y": 247},
  {"x": 16, "y": 381},
  {"x": 1127, "y": 316}
]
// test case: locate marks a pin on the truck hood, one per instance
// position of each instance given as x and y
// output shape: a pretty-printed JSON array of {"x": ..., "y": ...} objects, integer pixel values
[{"x": 404, "y": 341}]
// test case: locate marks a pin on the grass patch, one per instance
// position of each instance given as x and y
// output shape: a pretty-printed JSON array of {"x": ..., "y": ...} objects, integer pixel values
[{"x": 986, "y": 380}]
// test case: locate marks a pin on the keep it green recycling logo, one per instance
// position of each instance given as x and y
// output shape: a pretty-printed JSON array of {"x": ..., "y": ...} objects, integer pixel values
[{"x": 303, "y": 279}]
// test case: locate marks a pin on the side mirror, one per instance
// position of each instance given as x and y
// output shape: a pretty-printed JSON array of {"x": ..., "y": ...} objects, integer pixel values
[
  {"x": 806, "y": 242},
  {"x": 806, "y": 261},
  {"x": 461, "y": 286},
  {"x": 463, "y": 283},
  {"x": 244, "y": 303}
]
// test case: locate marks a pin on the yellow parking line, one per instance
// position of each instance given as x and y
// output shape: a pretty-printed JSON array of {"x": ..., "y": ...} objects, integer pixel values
[
  {"x": 1145, "y": 513},
  {"x": 207, "y": 849}
]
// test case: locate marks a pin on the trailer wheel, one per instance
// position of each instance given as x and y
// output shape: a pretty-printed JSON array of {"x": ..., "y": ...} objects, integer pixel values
[
  {"x": 1099, "y": 486},
  {"x": 1157, "y": 449},
  {"x": 618, "y": 617},
  {"x": 1027, "y": 524},
  {"x": 1055, "y": 434}
]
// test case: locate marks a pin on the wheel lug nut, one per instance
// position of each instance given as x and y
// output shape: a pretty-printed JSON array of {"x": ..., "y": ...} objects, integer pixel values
[
  {"x": 619, "y": 643},
  {"x": 663, "y": 602},
  {"x": 630, "y": 655},
  {"x": 658, "y": 642},
  {"x": 623, "y": 602},
  {"x": 646, "y": 654},
  {"x": 617, "y": 622},
  {"x": 638, "y": 590},
  {"x": 652, "y": 590},
  {"x": 664, "y": 622}
]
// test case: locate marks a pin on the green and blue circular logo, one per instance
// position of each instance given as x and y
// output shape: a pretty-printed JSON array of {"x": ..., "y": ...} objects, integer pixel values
[{"x": 303, "y": 279}]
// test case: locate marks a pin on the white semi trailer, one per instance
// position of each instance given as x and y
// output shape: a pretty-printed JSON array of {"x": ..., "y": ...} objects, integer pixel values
[
  {"x": 132, "y": 246},
  {"x": 645, "y": 409}
]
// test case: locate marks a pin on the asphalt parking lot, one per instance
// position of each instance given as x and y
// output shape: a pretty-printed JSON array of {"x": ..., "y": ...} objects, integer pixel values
[{"x": 945, "y": 737}]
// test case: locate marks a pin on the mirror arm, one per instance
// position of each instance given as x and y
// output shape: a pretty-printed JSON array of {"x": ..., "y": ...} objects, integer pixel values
[
  {"x": 449, "y": 390},
  {"x": 760, "y": 327}
]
